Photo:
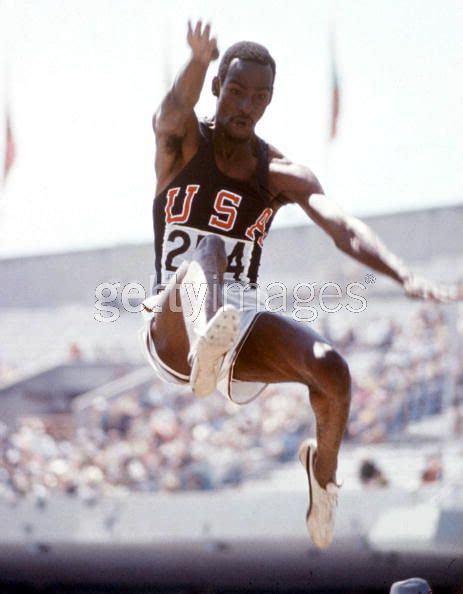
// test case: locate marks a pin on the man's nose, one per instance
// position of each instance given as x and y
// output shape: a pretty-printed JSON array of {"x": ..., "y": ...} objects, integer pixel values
[{"x": 246, "y": 105}]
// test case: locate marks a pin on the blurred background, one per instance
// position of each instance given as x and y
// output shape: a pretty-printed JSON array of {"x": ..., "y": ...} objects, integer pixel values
[{"x": 111, "y": 480}]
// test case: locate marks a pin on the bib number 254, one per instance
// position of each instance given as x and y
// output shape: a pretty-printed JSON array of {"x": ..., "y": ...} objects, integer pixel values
[{"x": 181, "y": 242}]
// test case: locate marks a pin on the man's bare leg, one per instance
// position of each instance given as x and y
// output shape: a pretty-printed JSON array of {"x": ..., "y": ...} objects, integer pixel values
[
  {"x": 277, "y": 350},
  {"x": 192, "y": 327},
  {"x": 283, "y": 350},
  {"x": 168, "y": 330},
  {"x": 201, "y": 285},
  {"x": 211, "y": 327},
  {"x": 280, "y": 349}
]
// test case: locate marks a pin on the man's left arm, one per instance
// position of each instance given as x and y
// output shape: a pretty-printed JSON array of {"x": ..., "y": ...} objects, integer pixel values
[{"x": 355, "y": 238}]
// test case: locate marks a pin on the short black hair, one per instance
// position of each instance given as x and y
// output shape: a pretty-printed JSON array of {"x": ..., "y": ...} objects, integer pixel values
[{"x": 246, "y": 50}]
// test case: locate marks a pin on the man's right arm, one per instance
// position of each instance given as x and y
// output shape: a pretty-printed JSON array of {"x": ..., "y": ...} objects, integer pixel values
[
  {"x": 299, "y": 185},
  {"x": 175, "y": 124}
]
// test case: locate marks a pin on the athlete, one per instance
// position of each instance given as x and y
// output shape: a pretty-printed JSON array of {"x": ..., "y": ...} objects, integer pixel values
[{"x": 219, "y": 187}]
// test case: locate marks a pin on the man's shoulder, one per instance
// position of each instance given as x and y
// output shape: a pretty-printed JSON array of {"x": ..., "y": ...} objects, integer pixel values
[
  {"x": 290, "y": 179},
  {"x": 277, "y": 159},
  {"x": 280, "y": 163}
]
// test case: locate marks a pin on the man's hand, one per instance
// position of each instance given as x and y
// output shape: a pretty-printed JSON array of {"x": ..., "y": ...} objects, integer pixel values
[
  {"x": 175, "y": 123},
  {"x": 418, "y": 287},
  {"x": 203, "y": 47}
]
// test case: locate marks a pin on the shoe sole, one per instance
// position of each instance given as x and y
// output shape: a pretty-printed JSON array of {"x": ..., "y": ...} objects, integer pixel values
[{"x": 219, "y": 337}]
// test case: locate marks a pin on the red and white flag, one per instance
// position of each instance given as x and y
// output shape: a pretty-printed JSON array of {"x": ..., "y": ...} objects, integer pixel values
[
  {"x": 335, "y": 91},
  {"x": 10, "y": 148}
]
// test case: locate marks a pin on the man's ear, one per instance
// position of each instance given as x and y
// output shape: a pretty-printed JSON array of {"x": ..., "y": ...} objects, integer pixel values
[
  {"x": 271, "y": 96},
  {"x": 216, "y": 86}
]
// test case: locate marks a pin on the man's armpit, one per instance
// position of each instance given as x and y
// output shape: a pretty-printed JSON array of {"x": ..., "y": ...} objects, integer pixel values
[{"x": 171, "y": 144}]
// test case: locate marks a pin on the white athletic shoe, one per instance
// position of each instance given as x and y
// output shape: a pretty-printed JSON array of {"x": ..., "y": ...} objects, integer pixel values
[
  {"x": 207, "y": 353},
  {"x": 321, "y": 513}
]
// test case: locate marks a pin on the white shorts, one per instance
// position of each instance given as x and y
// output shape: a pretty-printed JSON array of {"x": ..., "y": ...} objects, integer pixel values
[{"x": 240, "y": 392}]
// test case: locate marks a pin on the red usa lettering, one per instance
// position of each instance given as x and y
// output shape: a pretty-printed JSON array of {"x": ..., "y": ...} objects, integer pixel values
[
  {"x": 226, "y": 211},
  {"x": 184, "y": 215},
  {"x": 259, "y": 226},
  {"x": 229, "y": 211}
]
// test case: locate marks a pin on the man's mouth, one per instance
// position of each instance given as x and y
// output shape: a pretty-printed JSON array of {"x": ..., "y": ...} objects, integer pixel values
[{"x": 242, "y": 122}]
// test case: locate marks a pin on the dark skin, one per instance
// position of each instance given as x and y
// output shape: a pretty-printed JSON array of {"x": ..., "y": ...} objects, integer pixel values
[{"x": 278, "y": 349}]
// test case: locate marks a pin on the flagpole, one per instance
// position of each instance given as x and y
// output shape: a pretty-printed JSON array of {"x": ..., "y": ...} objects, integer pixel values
[
  {"x": 9, "y": 151},
  {"x": 4, "y": 101},
  {"x": 334, "y": 96}
]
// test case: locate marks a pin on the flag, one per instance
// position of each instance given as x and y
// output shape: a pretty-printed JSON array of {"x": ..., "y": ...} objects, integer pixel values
[
  {"x": 10, "y": 149},
  {"x": 335, "y": 91}
]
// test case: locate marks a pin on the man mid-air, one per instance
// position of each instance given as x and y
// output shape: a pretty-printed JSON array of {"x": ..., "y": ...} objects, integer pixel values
[{"x": 219, "y": 187}]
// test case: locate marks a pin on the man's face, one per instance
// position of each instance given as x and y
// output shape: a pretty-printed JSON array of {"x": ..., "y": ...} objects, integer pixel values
[{"x": 243, "y": 98}]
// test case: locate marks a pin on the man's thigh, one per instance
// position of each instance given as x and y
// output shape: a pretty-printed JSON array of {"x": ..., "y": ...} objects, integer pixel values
[
  {"x": 168, "y": 331},
  {"x": 280, "y": 349}
]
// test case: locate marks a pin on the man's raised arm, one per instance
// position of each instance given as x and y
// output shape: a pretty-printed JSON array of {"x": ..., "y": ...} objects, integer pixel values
[
  {"x": 356, "y": 239},
  {"x": 175, "y": 123}
]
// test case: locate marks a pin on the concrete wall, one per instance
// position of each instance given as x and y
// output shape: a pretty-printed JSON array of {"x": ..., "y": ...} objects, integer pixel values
[
  {"x": 196, "y": 516},
  {"x": 238, "y": 538},
  {"x": 428, "y": 236}
]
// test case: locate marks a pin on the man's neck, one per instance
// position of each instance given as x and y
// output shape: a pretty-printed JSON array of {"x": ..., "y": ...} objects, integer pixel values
[{"x": 227, "y": 148}]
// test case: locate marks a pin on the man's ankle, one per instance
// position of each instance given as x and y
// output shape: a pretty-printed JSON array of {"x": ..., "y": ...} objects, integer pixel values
[{"x": 324, "y": 475}]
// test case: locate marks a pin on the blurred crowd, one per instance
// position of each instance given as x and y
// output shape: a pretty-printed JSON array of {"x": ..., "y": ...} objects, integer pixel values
[
  {"x": 157, "y": 437},
  {"x": 153, "y": 439}
]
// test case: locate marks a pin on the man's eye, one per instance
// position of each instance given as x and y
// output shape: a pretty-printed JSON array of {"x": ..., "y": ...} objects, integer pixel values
[
  {"x": 234, "y": 91},
  {"x": 262, "y": 96}
]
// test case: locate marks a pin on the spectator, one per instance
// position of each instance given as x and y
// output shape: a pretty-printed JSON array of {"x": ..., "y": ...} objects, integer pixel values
[
  {"x": 371, "y": 475},
  {"x": 433, "y": 470},
  {"x": 411, "y": 586}
]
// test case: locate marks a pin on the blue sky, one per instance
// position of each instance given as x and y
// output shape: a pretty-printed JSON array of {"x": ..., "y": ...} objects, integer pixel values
[{"x": 84, "y": 78}]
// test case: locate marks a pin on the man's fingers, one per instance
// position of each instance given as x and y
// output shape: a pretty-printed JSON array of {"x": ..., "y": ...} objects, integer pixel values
[
  {"x": 436, "y": 293},
  {"x": 419, "y": 287},
  {"x": 448, "y": 293},
  {"x": 200, "y": 39},
  {"x": 443, "y": 293}
]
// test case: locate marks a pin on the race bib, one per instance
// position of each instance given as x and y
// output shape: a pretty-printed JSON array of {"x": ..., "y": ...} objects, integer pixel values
[{"x": 180, "y": 242}]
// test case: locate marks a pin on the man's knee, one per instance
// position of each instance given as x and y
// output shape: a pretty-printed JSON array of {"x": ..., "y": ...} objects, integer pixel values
[
  {"x": 212, "y": 243},
  {"x": 333, "y": 373},
  {"x": 212, "y": 247}
]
